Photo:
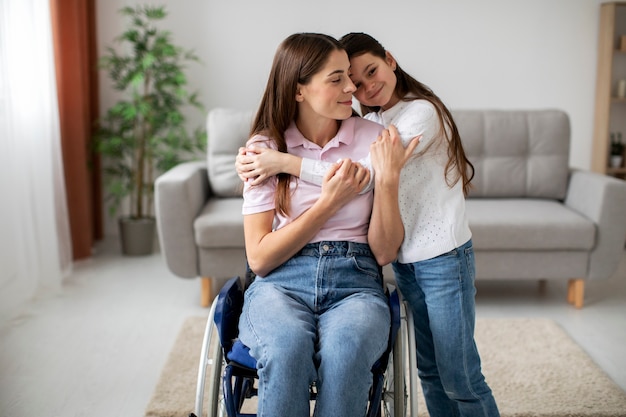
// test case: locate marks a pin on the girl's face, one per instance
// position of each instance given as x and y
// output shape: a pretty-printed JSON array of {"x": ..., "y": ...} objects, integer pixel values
[
  {"x": 329, "y": 93},
  {"x": 375, "y": 80}
]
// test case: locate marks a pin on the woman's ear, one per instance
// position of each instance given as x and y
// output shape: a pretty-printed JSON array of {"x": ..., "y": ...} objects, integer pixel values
[
  {"x": 391, "y": 61},
  {"x": 299, "y": 96}
]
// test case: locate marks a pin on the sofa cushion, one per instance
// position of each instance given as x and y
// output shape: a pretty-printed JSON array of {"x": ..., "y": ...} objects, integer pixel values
[
  {"x": 227, "y": 130},
  {"x": 528, "y": 224},
  {"x": 516, "y": 153},
  {"x": 531, "y": 264},
  {"x": 220, "y": 224}
]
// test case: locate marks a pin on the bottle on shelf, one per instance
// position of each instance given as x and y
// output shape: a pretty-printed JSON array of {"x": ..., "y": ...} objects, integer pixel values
[{"x": 617, "y": 150}]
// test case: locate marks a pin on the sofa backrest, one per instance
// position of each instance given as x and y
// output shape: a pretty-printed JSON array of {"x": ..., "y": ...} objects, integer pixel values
[
  {"x": 516, "y": 153},
  {"x": 227, "y": 131}
]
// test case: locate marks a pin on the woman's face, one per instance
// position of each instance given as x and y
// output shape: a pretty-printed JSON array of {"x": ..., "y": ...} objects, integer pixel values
[
  {"x": 375, "y": 80},
  {"x": 329, "y": 93}
]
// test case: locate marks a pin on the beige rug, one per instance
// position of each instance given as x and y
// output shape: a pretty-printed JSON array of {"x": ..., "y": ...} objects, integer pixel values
[{"x": 533, "y": 367}]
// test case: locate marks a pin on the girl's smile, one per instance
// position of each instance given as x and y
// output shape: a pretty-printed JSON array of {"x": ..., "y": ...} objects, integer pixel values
[{"x": 374, "y": 79}]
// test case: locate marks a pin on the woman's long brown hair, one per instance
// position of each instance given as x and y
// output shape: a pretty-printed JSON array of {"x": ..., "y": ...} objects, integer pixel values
[
  {"x": 297, "y": 59},
  {"x": 408, "y": 89}
]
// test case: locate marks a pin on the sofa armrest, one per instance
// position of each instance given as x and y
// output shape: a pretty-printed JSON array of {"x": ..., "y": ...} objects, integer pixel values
[
  {"x": 602, "y": 199},
  {"x": 180, "y": 194}
]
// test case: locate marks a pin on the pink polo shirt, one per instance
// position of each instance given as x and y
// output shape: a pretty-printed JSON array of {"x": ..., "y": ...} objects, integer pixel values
[{"x": 353, "y": 141}]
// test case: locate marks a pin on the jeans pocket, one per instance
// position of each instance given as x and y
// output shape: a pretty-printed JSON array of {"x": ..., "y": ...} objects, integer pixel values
[
  {"x": 366, "y": 265},
  {"x": 470, "y": 262}
]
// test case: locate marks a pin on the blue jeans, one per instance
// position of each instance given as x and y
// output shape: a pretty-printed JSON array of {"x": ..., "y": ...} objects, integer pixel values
[
  {"x": 440, "y": 292},
  {"x": 322, "y": 317}
]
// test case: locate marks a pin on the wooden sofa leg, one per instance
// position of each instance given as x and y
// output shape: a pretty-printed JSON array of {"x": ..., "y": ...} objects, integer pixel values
[
  {"x": 205, "y": 291},
  {"x": 576, "y": 292}
]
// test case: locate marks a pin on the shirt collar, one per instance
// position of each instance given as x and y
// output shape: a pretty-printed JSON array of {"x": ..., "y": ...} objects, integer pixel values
[{"x": 344, "y": 135}]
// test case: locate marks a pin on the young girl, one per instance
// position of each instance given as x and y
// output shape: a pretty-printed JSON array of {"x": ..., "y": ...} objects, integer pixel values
[
  {"x": 435, "y": 267},
  {"x": 314, "y": 311}
]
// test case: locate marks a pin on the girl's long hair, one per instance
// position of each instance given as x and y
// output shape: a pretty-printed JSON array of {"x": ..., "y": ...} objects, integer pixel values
[
  {"x": 408, "y": 89},
  {"x": 297, "y": 59}
]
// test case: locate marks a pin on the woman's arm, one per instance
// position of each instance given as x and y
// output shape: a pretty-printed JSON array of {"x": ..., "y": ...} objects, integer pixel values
[
  {"x": 386, "y": 231},
  {"x": 267, "y": 249}
]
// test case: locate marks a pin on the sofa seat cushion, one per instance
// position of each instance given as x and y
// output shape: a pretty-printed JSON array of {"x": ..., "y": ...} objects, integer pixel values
[
  {"x": 528, "y": 224},
  {"x": 536, "y": 264},
  {"x": 220, "y": 224}
]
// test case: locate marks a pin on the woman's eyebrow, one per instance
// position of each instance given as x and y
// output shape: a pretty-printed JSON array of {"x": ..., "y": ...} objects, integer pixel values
[{"x": 338, "y": 71}]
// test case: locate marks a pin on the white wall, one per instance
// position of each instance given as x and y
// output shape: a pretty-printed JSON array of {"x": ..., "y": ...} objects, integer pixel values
[{"x": 497, "y": 54}]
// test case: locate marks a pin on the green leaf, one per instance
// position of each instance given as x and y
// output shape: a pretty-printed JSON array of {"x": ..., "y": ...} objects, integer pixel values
[
  {"x": 137, "y": 80},
  {"x": 147, "y": 60}
]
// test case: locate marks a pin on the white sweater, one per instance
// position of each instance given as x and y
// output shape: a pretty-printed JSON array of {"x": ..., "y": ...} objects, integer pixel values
[{"x": 433, "y": 214}]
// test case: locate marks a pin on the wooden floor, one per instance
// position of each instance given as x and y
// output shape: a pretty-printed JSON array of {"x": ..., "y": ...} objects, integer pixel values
[{"x": 97, "y": 348}]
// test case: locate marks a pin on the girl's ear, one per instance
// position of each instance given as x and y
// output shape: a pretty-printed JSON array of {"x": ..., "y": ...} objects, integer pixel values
[{"x": 391, "y": 61}]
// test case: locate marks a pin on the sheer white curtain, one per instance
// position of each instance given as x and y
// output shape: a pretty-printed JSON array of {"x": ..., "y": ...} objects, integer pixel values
[{"x": 35, "y": 243}]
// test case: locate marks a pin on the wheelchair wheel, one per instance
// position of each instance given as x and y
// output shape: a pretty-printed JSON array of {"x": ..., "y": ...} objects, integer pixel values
[
  {"x": 411, "y": 358},
  {"x": 394, "y": 395},
  {"x": 400, "y": 383},
  {"x": 210, "y": 371},
  {"x": 215, "y": 405}
]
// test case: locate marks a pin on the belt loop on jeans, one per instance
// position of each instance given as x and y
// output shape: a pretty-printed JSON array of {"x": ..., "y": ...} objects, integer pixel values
[
  {"x": 355, "y": 248},
  {"x": 351, "y": 249}
]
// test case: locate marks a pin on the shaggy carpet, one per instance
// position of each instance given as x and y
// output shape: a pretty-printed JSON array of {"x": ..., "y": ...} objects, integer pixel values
[{"x": 533, "y": 367}]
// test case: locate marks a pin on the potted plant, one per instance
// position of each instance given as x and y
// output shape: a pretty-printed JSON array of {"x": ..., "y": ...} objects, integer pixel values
[
  {"x": 617, "y": 150},
  {"x": 144, "y": 133}
]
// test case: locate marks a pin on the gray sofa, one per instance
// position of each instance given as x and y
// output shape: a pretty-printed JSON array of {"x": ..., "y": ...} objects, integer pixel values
[{"x": 532, "y": 217}]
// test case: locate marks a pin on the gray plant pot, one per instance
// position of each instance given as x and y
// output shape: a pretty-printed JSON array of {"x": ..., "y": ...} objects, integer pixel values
[
  {"x": 137, "y": 235},
  {"x": 616, "y": 161}
]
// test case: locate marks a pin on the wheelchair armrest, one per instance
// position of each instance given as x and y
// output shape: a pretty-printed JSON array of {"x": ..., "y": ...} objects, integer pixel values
[
  {"x": 227, "y": 311},
  {"x": 226, "y": 318},
  {"x": 394, "y": 309}
]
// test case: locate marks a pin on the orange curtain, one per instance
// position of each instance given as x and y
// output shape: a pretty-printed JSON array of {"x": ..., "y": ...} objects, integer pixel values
[{"x": 74, "y": 32}]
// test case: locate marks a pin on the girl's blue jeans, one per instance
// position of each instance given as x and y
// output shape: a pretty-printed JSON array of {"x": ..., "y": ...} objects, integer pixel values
[
  {"x": 322, "y": 317},
  {"x": 440, "y": 292}
]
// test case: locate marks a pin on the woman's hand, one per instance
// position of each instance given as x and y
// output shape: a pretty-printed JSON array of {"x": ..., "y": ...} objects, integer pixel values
[{"x": 343, "y": 181}]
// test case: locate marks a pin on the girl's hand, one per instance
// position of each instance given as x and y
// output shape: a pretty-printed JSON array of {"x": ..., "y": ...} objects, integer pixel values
[
  {"x": 389, "y": 155},
  {"x": 255, "y": 165}
]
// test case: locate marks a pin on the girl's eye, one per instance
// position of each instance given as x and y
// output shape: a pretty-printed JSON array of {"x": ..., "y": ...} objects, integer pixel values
[{"x": 371, "y": 72}]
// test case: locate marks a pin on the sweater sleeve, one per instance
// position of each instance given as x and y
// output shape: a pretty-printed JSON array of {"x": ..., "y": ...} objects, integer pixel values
[{"x": 313, "y": 171}]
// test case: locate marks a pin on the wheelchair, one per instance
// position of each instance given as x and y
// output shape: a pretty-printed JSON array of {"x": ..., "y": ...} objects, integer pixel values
[{"x": 229, "y": 372}]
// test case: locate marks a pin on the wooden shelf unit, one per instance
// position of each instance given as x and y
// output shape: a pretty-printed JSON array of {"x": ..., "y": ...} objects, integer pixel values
[{"x": 610, "y": 111}]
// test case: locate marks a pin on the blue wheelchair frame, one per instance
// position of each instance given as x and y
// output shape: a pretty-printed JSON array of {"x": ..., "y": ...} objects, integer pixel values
[{"x": 236, "y": 382}]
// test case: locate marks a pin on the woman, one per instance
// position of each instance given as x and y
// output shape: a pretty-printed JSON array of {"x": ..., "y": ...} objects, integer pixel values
[{"x": 316, "y": 313}]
